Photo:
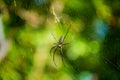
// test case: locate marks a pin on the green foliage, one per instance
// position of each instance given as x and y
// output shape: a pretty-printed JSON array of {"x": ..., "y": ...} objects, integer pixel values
[{"x": 93, "y": 52}]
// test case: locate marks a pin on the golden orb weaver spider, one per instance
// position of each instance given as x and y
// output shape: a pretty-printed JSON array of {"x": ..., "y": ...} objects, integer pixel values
[{"x": 59, "y": 44}]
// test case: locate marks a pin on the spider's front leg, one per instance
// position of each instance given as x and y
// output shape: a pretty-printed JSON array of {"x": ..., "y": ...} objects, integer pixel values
[
  {"x": 54, "y": 54},
  {"x": 61, "y": 53},
  {"x": 52, "y": 49}
]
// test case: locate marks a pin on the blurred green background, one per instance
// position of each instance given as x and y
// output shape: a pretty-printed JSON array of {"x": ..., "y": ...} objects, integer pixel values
[{"x": 26, "y": 28}]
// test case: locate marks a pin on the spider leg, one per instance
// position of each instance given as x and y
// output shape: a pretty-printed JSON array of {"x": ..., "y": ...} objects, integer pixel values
[
  {"x": 54, "y": 54},
  {"x": 61, "y": 52},
  {"x": 66, "y": 43},
  {"x": 67, "y": 33},
  {"x": 54, "y": 37},
  {"x": 52, "y": 49}
]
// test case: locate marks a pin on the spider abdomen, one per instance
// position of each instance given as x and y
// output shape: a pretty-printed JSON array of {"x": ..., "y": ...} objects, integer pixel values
[{"x": 61, "y": 39}]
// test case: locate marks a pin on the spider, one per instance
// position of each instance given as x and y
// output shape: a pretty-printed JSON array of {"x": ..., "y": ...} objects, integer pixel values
[{"x": 58, "y": 45}]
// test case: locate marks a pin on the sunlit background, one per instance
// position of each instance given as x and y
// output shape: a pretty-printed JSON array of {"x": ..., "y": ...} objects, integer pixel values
[{"x": 30, "y": 28}]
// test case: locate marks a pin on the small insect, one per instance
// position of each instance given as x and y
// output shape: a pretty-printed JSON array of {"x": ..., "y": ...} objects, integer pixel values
[{"x": 58, "y": 45}]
